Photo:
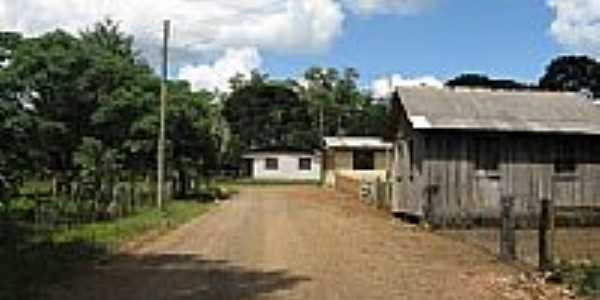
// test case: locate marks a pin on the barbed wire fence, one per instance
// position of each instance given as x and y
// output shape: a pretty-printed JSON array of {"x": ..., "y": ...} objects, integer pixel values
[{"x": 558, "y": 236}]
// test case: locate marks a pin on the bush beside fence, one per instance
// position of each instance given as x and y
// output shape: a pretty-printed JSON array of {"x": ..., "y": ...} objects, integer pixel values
[{"x": 42, "y": 237}]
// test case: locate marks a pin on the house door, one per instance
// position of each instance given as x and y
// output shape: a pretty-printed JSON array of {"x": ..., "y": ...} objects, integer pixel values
[
  {"x": 248, "y": 167},
  {"x": 489, "y": 182}
]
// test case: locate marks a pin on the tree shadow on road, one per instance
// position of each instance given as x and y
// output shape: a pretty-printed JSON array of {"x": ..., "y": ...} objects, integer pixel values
[{"x": 173, "y": 276}]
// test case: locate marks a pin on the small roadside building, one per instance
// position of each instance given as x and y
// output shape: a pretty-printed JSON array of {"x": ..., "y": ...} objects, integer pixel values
[
  {"x": 283, "y": 164},
  {"x": 361, "y": 158},
  {"x": 457, "y": 152}
]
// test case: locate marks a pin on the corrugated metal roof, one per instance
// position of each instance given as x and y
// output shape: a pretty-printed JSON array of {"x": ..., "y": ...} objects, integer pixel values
[
  {"x": 258, "y": 154},
  {"x": 356, "y": 142},
  {"x": 524, "y": 111}
]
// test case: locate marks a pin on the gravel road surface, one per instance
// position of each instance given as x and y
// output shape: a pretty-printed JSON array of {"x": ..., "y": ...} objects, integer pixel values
[{"x": 294, "y": 242}]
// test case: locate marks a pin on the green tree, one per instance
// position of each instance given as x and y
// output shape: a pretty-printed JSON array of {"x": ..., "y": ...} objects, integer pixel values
[
  {"x": 192, "y": 136},
  {"x": 483, "y": 81},
  {"x": 263, "y": 113},
  {"x": 17, "y": 151},
  {"x": 17, "y": 125},
  {"x": 333, "y": 97},
  {"x": 46, "y": 73},
  {"x": 92, "y": 85},
  {"x": 573, "y": 74},
  {"x": 367, "y": 120},
  {"x": 86, "y": 105},
  {"x": 9, "y": 41}
]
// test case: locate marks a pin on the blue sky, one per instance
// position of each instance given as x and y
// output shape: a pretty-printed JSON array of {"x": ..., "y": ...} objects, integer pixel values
[
  {"x": 506, "y": 38},
  {"x": 407, "y": 40}
]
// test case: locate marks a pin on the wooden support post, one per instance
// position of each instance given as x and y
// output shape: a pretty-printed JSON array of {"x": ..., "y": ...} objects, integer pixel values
[
  {"x": 546, "y": 226},
  {"x": 508, "y": 249}
]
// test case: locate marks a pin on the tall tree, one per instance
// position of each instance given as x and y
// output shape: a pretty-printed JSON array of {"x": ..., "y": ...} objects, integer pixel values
[
  {"x": 572, "y": 73},
  {"x": 483, "y": 81},
  {"x": 367, "y": 120},
  {"x": 333, "y": 97},
  {"x": 9, "y": 41},
  {"x": 191, "y": 134},
  {"x": 264, "y": 113},
  {"x": 17, "y": 151},
  {"x": 17, "y": 125},
  {"x": 79, "y": 86},
  {"x": 48, "y": 72},
  {"x": 85, "y": 105}
]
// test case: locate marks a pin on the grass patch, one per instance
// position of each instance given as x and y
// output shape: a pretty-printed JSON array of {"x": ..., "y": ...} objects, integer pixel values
[
  {"x": 212, "y": 192},
  {"x": 581, "y": 276},
  {"x": 33, "y": 187},
  {"x": 32, "y": 255},
  {"x": 114, "y": 233}
]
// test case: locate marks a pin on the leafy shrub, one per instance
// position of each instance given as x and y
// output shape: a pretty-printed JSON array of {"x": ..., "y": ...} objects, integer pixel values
[
  {"x": 211, "y": 193},
  {"x": 582, "y": 276}
]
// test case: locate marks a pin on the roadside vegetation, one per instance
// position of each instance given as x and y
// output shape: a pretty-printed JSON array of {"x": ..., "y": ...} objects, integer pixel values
[{"x": 40, "y": 253}]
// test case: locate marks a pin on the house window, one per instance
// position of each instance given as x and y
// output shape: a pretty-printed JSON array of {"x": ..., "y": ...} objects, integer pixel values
[
  {"x": 363, "y": 160},
  {"x": 272, "y": 164},
  {"x": 564, "y": 158},
  {"x": 487, "y": 152},
  {"x": 305, "y": 164}
]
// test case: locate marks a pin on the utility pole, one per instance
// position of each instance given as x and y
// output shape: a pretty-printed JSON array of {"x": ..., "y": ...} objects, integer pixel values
[
  {"x": 163, "y": 106},
  {"x": 321, "y": 120}
]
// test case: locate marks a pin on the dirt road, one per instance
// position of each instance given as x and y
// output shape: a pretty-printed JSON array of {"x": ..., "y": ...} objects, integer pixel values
[{"x": 293, "y": 243}]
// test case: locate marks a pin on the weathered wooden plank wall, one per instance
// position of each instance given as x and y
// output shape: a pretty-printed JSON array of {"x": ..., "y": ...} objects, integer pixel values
[{"x": 447, "y": 186}]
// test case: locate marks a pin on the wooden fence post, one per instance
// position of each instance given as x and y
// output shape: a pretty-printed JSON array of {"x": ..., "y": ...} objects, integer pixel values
[
  {"x": 546, "y": 226},
  {"x": 508, "y": 249},
  {"x": 377, "y": 193}
]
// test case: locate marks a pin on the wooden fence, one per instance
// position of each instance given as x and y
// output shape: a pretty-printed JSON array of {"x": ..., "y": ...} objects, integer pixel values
[
  {"x": 347, "y": 186},
  {"x": 376, "y": 193}
]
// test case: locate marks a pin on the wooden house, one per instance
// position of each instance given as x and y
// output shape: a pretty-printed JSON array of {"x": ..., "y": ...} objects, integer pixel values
[{"x": 457, "y": 152}]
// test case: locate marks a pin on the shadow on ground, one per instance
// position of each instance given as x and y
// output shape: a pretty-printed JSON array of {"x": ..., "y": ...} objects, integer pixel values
[
  {"x": 173, "y": 276},
  {"x": 32, "y": 267}
]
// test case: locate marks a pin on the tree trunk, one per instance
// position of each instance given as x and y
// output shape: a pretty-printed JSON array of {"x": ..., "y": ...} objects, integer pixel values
[
  {"x": 131, "y": 202},
  {"x": 149, "y": 188},
  {"x": 54, "y": 185},
  {"x": 182, "y": 190}
]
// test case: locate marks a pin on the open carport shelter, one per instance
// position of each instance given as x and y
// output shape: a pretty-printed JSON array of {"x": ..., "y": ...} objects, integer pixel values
[{"x": 360, "y": 158}]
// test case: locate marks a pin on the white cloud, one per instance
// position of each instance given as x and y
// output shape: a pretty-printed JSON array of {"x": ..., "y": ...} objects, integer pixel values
[
  {"x": 233, "y": 32},
  {"x": 371, "y": 7},
  {"x": 577, "y": 25},
  {"x": 217, "y": 75},
  {"x": 307, "y": 26},
  {"x": 383, "y": 87}
]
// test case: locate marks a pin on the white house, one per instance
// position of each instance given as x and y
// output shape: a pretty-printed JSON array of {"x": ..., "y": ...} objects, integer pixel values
[{"x": 283, "y": 165}]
